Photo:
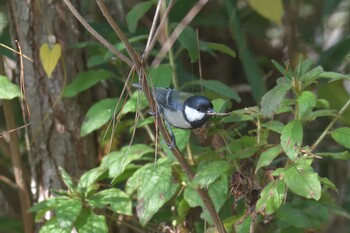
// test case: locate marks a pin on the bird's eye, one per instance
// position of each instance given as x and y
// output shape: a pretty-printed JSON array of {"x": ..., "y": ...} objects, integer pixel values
[{"x": 198, "y": 108}]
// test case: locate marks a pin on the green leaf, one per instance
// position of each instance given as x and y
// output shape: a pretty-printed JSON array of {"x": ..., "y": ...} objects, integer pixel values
[
  {"x": 268, "y": 156},
  {"x": 342, "y": 136},
  {"x": 218, "y": 192},
  {"x": 275, "y": 126},
  {"x": 304, "y": 66},
  {"x": 161, "y": 75},
  {"x": 137, "y": 101},
  {"x": 8, "y": 90},
  {"x": 271, "y": 197},
  {"x": 281, "y": 69},
  {"x": 209, "y": 173},
  {"x": 306, "y": 101},
  {"x": 217, "y": 87},
  {"x": 98, "y": 115},
  {"x": 302, "y": 180},
  {"x": 188, "y": 40},
  {"x": 220, "y": 105},
  {"x": 85, "y": 80},
  {"x": 113, "y": 198},
  {"x": 96, "y": 60},
  {"x": 272, "y": 99},
  {"x": 328, "y": 184},
  {"x": 291, "y": 139},
  {"x": 117, "y": 161},
  {"x": 67, "y": 212},
  {"x": 155, "y": 186},
  {"x": 136, "y": 13},
  {"x": 345, "y": 155},
  {"x": 334, "y": 76},
  {"x": 66, "y": 179},
  {"x": 321, "y": 113},
  {"x": 88, "y": 222},
  {"x": 312, "y": 75},
  {"x": 49, "y": 204},
  {"x": 217, "y": 47},
  {"x": 53, "y": 226},
  {"x": 90, "y": 177}
]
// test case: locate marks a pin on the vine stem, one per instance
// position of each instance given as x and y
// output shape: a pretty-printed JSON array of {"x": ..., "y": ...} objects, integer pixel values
[{"x": 331, "y": 124}]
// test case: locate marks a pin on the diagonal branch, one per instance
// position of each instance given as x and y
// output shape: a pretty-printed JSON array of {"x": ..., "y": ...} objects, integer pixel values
[{"x": 96, "y": 34}]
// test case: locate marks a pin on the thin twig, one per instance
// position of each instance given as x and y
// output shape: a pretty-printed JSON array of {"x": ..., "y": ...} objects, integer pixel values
[
  {"x": 156, "y": 35},
  {"x": 178, "y": 30},
  {"x": 96, "y": 34},
  {"x": 120, "y": 33},
  {"x": 154, "y": 23},
  {"x": 325, "y": 132}
]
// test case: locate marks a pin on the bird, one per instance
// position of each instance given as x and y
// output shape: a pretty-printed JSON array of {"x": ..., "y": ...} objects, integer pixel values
[{"x": 181, "y": 109}]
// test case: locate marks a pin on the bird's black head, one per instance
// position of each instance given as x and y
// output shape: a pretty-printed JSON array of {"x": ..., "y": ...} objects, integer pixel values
[{"x": 197, "y": 109}]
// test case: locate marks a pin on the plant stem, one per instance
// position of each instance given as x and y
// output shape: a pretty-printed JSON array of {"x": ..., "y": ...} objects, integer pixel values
[{"x": 325, "y": 132}]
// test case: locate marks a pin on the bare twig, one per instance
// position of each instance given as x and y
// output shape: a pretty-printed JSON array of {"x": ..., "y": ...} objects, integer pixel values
[
  {"x": 120, "y": 33},
  {"x": 97, "y": 35},
  {"x": 154, "y": 23},
  {"x": 325, "y": 132},
  {"x": 178, "y": 30}
]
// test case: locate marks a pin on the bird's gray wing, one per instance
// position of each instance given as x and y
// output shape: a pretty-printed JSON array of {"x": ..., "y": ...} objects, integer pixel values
[{"x": 170, "y": 99}]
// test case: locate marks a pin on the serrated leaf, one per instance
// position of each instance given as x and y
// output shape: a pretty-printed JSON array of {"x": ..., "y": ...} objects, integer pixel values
[
  {"x": 281, "y": 69},
  {"x": 306, "y": 102},
  {"x": 209, "y": 173},
  {"x": 98, "y": 115},
  {"x": 85, "y": 80},
  {"x": 155, "y": 186},
  {"x": 271, "y": 197},
  {"x": 302, "y": 180},
  {"x": 50, "y": 57},
  {"x": 217, "y": 47},
  {"x": 291, "y": 139},
  {"x": 136, "y": 13},
  {"x": 345, "y": 155},
  {"x": 88, "y": 222},
  {"x": 218, "y": 192},
  {"x": 8, "y": 90},
  {"x": 272, "y": 99},
  {"x": 322, "y": 103},
  {"x": 188, "y": 40},
  {"x": 67, "y": 212},
  {"x": 217, "y": 87},
  {"x": 90, "y": 177},
  {"x": 268, "y": 156},
  {"x": 161, "y": 75},
  {"x": 117, "y": 161},
  {"x": 113, "y": 198},
  {"x": 342, "y": 136},
  {"x": 66, "y": 179},
  {"x": 269, "y": 9}
]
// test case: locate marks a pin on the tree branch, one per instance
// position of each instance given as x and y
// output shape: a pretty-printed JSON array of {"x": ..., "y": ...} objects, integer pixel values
[{"x": 96, "y": 34}]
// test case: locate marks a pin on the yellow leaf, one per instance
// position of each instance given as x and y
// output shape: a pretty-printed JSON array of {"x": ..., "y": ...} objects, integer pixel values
[
  {"x": 269, "y": 9},
  {"x": 50, "y": 57}
]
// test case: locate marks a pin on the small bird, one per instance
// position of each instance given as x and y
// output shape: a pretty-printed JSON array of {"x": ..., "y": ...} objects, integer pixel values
[{"x": 181, "y": 109}]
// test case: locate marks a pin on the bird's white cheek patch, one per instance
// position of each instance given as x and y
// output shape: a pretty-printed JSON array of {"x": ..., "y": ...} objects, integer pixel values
[{"x": 193, "y": 115}]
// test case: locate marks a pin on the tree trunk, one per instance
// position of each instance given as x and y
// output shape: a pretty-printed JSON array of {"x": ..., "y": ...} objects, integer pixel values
[{"x": 54, "y": 121}]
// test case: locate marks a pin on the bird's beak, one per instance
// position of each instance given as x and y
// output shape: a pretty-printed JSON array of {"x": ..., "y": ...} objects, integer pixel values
[{"x": 211, "y": 112}]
